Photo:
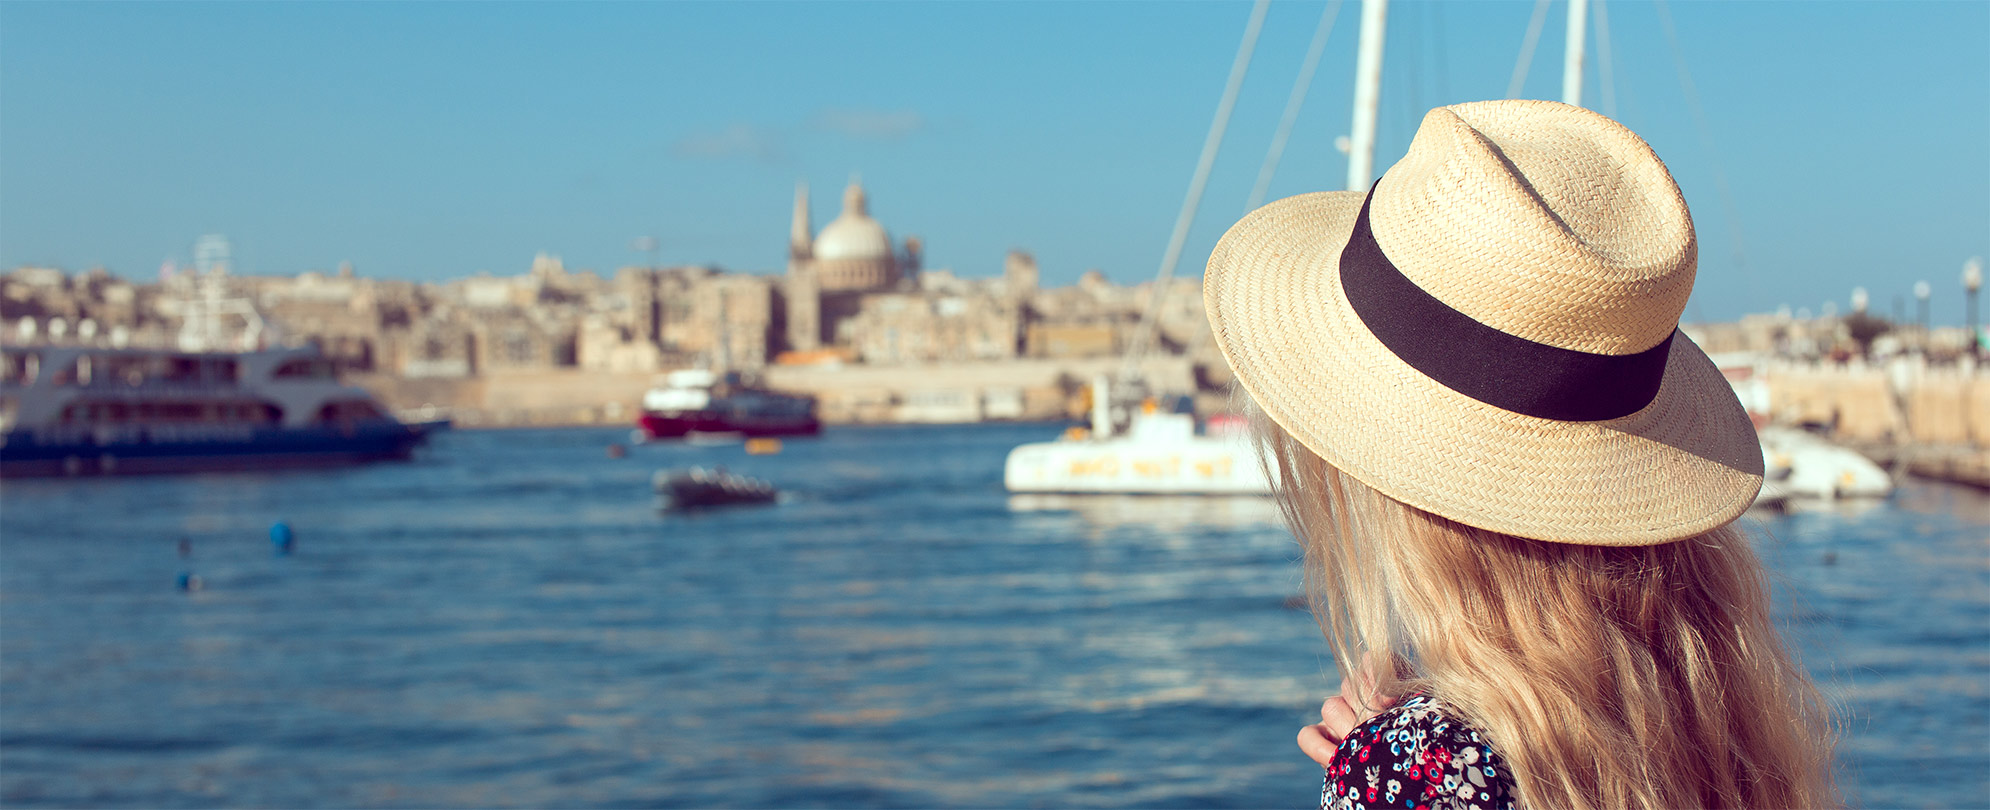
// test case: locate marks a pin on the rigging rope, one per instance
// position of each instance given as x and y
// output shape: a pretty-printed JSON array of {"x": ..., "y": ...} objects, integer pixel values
[
  {"x": 1707, "y": 142},
  {"x": 1604, "y": 73},
  {"x": 1292, "y": 105},
  {"x": 1526, "y": 60},
  {"x": 1143, "y": 335}
]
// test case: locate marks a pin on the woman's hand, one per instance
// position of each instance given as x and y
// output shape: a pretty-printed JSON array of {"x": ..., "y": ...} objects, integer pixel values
[{"x": 1339, "y": 715}]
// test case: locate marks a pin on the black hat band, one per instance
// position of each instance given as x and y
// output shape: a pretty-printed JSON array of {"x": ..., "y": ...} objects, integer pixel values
[{"x": 1502, "y": 370}]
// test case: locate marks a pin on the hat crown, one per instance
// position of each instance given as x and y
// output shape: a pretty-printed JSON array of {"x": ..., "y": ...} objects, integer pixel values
[{"x": 1543, "y": 220}]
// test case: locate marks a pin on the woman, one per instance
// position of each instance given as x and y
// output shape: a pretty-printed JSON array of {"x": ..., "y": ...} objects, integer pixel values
[{"x": 1514, "y": 479}]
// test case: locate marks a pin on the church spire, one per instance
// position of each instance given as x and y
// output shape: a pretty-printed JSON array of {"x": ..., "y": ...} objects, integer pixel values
[{"x": 801, "y": 234}]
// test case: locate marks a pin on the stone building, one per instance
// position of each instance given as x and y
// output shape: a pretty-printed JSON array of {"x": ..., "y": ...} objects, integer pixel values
[
  {"x": 521, "y": 340},
  {"x": 679, "y": 317},
  {"x": 1020, "y": 277},
  {"x": 36, "y": 302},
  {"x": 901, "y": 328},
  {"x": 829, "y": 273},
  {"x": 435, "y": 346},
  {"x": 1071, "y": 340},
  {"x": 339, "y": 313},
  {"x": 719, "y": 320}
]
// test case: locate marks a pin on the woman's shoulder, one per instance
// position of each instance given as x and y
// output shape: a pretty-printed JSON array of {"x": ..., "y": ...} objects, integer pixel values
[{"x": 1417, "y": 754}]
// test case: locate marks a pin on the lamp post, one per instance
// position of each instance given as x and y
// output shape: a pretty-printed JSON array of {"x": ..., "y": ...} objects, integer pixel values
[
  {"x": 1921, "y": 292},
  {"x": 647, "y": 244}
]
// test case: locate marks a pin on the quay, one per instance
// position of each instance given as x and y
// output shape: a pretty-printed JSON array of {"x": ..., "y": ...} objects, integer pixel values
[
  {"x": 877, "y": 337},
  {"x": 1906, "y": 415},
  {"x": 1021, "y": 389}
]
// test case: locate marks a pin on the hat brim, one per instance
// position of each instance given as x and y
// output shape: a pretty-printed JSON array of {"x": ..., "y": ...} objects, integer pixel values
[{"x": 1685, "y": 464}]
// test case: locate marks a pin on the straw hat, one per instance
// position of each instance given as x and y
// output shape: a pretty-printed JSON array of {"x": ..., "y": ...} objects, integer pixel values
[{"x": 1490, "y": 334}]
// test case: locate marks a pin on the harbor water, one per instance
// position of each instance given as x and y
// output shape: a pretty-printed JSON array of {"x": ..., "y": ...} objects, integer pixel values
[{"x": 509, "y": 621}]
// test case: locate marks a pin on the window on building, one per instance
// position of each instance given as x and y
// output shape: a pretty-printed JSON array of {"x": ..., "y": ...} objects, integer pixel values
[
  {"x": 19, "y": 368},
  {"x": 309, "y": 368},
  {"x": 349, "y": 410},
  {"x": 518, "y": 348}
]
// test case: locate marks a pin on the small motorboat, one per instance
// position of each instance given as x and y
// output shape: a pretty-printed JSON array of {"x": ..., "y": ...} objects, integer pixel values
[{"x": 700, "y": 488}]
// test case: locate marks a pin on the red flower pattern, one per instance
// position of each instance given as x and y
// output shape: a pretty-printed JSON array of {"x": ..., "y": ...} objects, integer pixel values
[{"x": 1418, "y": 740}]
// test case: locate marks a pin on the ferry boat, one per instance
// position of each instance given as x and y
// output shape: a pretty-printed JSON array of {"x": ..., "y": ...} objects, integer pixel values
[
  {"x": 707, "y": 402},
  {"x": 82, "y": 410}
]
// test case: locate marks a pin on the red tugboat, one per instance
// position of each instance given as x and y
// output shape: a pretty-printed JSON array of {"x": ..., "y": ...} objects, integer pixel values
[{"x": 700, "y": 401}]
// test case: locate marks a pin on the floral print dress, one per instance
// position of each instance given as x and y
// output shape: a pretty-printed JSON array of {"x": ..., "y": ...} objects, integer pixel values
[{"x": 1416, "y": 755}]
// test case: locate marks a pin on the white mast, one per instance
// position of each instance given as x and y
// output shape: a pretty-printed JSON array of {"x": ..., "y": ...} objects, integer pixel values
[
  {"x": 1572, "y": 58},
  {"x": 1367, "y": 95}
]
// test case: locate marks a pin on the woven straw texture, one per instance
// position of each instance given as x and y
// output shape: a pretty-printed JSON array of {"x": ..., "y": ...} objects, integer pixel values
[{"x": 1542, "y": 220}]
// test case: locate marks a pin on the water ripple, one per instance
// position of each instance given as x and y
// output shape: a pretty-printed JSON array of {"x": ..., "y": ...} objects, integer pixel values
[{"x": 510, "y": 622}]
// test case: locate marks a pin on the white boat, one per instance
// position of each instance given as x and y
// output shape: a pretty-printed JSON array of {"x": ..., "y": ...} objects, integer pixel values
[
  {"x": 1804, "y": 465},
  {"x": 1156, "y": 454},
  {"x": 80, "y": 410},
  {"x": 1140, "y": 450},
  {"x": 1114, "y": 511},
  {"x": 1797, "y": 464}
]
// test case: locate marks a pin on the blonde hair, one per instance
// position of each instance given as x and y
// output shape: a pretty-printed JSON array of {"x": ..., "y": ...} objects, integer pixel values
[{"x": 1606, "y": 677}]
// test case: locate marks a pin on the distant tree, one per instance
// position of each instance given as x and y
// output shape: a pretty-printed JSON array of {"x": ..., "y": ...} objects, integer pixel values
[{"x": 1863, "y": 329}]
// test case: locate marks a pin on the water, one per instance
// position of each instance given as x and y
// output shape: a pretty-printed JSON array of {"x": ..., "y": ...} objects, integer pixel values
[{"x": 508, "y": 621}]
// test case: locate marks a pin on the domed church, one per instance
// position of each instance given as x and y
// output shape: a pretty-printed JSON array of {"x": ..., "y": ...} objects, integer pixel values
[{"x": 830, "y": 272}]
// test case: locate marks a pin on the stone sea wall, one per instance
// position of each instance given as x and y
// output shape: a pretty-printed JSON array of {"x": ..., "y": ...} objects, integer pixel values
[
  {"x": 1021, "y": 389},
  {"x": 1902, "y": 404}
]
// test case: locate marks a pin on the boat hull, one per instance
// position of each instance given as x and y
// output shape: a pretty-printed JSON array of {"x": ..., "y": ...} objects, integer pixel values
[
  {"x": 699, "y": 489},
  {"x": 1807, "y": 466},
  {"x": 1192, "y": 466},
  {"x": 156, "y": 450},
  {"x": 657, "y": 425}
]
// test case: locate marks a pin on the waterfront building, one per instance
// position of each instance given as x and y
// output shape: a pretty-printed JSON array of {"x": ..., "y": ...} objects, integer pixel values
[
  {"x": 44, "y": 295},
  {"x": 436, "y": 347},
  {"x": 918, "y": 327},
  {"x": 552, "y": 345},
  {"x": 1019, "y": 277},
  {"x": 830, "y": 273}
]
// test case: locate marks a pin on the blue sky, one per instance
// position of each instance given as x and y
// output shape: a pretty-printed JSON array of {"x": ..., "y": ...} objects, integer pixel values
[{"x": 437, "y": 140}]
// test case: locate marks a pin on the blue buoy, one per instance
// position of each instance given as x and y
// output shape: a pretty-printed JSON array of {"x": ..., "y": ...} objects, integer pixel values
[
  {"x": 189, "y": 582},
  {"x": 281, "y": 538}
]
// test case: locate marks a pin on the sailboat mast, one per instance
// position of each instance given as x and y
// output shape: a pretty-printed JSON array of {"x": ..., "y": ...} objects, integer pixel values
[
  {"x": 1367, "y": 95},
  {"x": 1573, "y": 56}
]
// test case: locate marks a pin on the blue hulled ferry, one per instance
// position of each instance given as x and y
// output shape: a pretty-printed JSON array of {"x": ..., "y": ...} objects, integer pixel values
[{"x": 80, "y": 410}]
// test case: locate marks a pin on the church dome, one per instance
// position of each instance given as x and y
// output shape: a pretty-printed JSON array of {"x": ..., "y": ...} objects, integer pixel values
[{"x": 853, "y": 234}]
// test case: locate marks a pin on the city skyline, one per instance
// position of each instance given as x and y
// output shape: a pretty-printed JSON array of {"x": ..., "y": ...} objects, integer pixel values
[{"x": 434, "y": 142}]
